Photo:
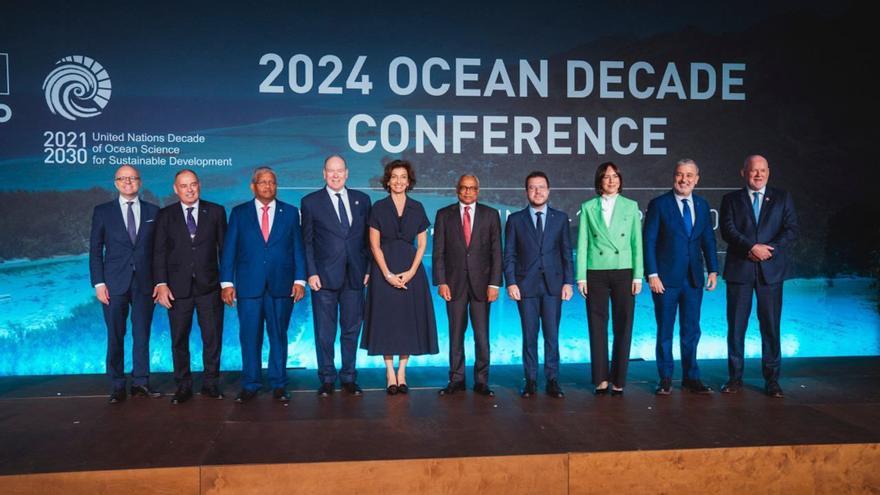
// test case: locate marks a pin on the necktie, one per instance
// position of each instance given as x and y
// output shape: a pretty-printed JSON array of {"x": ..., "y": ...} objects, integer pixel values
[
  {"x": 343, "y": 215},
  {"x": 466, "y": 226},
  {"x": 132, "y": 224},
  {"x": 686, "y": 216},
  {"x": 539, "y": 226},
  {"x": 190, "y": 222},
  {"x": 264, "y": 223},
  {"x": 756, "y": 205}
]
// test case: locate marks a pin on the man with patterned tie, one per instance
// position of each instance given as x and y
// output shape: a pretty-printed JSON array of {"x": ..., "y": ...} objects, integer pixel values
[
  {"x": 335, "y": 236},
  {"x": 759, "y": 225},
  {"x": 120, "y": 259},
  {"x": 186, "y": 254},
  {"x": 262, "y": 267},
  {"x": 467, "y": 270},
  {"x": 678, "y": 240}
]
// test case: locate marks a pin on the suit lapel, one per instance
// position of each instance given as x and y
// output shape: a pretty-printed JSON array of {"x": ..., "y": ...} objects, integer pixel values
[
  {"x": 458, "y": 226},
  {"x": 765, "y": 205},
  {"x": 600, "y": 220},
  {"x": 280, "y": 216},
  {"x": 530, "y": 227},
  {"x": 679, "y": 214},
  {"x": 330, "y": 209}
]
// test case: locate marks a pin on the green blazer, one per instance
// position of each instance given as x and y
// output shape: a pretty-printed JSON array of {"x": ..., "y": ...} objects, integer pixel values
[{"x": 609, "y": 248}]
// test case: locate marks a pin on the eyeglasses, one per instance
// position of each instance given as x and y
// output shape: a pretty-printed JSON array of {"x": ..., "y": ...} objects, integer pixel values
[
  {"x": 128, "y": 179},
  {"x": 468, "y": 188},
  {"x": 265, "y": 183},
  {"x": 537, "y": 188}
]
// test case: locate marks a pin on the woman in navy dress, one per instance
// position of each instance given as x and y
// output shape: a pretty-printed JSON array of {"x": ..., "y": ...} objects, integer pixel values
[{"x": 399, "y": 317}]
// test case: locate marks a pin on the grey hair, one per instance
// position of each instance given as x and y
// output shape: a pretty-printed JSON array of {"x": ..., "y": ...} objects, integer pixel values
[
  {"x": 260, "y": 171},
  {"x": 463, "y": 176},
  {"x": 335, "y": 156},
  {"x": 687, "y": 161},
  {"x": 752, "y": 157}
]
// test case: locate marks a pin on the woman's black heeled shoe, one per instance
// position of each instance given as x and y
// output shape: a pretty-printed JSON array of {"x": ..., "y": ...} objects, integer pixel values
[
  {"x": 403, "y": 389},
  {"x": 392, "y": 389}
]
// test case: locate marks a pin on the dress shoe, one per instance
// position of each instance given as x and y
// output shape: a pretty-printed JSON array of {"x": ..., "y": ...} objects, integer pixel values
[
  {"x": 774, "y": 390},
  {"x": 601, "y": 391},
  {"x": 326, "y": 390},
  {"x": 483, "y": 389},
  {"x": 530, "y": 389},
  {"x": 696, "y": 386},
  {"x": 245, "y": 395},
  {"x": 352, "y": 388},
  {"x": 451, "y": 388},
  {"x": 181, "y": 395},
  {"x": 732, "y": 387},
  {"x": 402, "y": 389},
  {"x": 144, "y": 391},
  {"x": 664, "y": 387},
  {"x": 554, "y": 390},
  {"x": 117, "y": 396},
  {"x": 392, "y": 389},
  {"x": 616, "y": 392},
  {"x": 281, "y": 394},
  {"x": 212, "y": 391}
]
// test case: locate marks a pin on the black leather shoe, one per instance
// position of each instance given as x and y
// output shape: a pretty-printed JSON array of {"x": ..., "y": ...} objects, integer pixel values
[
  {"x": 212, "y": 391},
  {"x": 616, "y": 392},
  {"x": 117, "y": 396},
  {"x": 530, "y": 389},
  {"x": 664, "y": 387},
  {"x": 601, "y": 391},
  {"x": 696, "y": 387},
  {"x": 392, "y": 389},
  {"x": 352, "y": 388},
  {"x": 554, "y": 390},
  {"x": 732, "y": 387},
  {"x": 774, "y": 390},
  {"x": 181, "y": 395},
  {"x": 483, "y": 389},
  {"x": 281, "y": 394},
  {"x": 326, "y": 390},
  {"x": 144, "y": 391},
  {"x": 451, "y": 388},
  {"x": 245, "y": 395},
  {"x": 403, "y": 389}
]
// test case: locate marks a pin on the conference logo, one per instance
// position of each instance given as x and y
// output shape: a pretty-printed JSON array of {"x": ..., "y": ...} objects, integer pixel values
[{"x": 78, "y": 88}]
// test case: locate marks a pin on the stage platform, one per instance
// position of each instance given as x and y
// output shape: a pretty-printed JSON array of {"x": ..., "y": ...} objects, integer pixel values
[{"x": 59, "y": 435}]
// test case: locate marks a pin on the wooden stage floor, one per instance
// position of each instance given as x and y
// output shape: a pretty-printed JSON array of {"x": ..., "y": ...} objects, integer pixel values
[{"x": 63, "y": 424}]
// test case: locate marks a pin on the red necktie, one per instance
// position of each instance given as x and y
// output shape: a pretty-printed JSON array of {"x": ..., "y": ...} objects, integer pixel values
[
  {"x": 264, "y": 224},
  {"x": 467, "y": 226}
]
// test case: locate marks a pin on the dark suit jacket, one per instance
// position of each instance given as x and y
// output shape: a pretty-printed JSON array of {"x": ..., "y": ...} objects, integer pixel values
[
  {"x": 189, "y": 265},
  {"x": 476, "y": 266},
  {"x": 777, "y": 227},
  {"x": 669, "y": 252},
  {"x": 524, "y": 257},
  {"x": 254, "y": 265},
  {"x": 112, "y": 256},
  {"x": 329, "y": 249}
]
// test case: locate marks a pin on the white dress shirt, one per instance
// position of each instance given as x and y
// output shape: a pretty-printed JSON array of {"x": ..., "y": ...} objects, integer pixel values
[
  {"x": 344, "y": 194},
  {"x": 608, "y": 201}
]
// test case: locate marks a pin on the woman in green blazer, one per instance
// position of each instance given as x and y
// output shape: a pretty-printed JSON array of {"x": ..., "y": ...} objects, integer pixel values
[{"x": 609, "y": 265}]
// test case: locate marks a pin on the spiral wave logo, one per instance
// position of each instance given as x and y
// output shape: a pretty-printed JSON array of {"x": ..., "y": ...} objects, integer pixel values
[{"x": 78, "y": 88}]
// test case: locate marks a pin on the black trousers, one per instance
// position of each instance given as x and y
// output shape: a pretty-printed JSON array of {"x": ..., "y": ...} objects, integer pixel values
[
  {"x": 615, "y": 285},
  {"x": 457, "y": 310},
  {"x": 739, "y": 308},
  {"x": 209, "y": 309}
]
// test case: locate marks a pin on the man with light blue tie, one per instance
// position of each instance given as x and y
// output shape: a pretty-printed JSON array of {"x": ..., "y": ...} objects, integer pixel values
[
  {"x": 760, "y": 226},
  {"x": 678, "y": 240},
  {"x": 120, "y": 265},
  {"x": 262, "y": 267},
  {"x": 335, "y": 230}
]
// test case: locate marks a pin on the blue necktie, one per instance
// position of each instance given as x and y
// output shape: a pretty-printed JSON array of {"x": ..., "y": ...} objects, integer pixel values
[
  {"x": 756, "y": 205},
  {"x": 190, "y": 222},
  {"x": 539, "y": 226},
  {"x": 343, "y": 215},
  {"x": 686, "y": 215},
  {"x": 132, "y": 224}
]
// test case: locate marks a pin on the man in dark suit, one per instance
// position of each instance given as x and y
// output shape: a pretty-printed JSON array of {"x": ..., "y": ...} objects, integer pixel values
[
  {"x": 186, "y": 253},
  {"x": 678, "y": 240},
  {"x": 262, "y": 266},
  {"x": 539, "y": 272},
  {"x": 760, "y": 226},
  {"x": 467, "y": 270},
  {"x": 334, "y": 227},
  {"x": 120, "y": 259}
]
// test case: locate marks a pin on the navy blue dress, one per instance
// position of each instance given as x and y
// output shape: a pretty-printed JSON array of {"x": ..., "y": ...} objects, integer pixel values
[{"x": 398, "y": 321}]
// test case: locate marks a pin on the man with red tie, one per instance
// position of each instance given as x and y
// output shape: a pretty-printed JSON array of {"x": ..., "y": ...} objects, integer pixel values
[
  {"x": 467, "y": 270},
  {"x": 262, "y": 267}
]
